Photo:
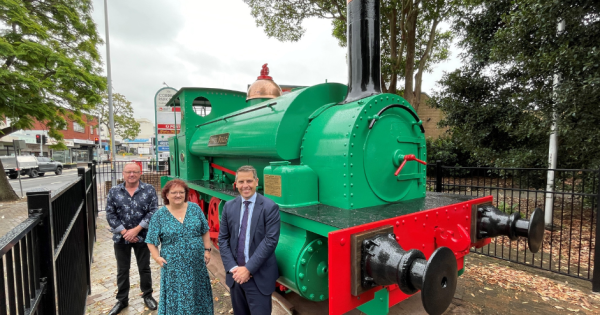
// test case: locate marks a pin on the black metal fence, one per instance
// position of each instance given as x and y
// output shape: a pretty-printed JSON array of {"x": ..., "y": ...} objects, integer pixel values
[
  {"x": 46, "y": 259},
  {"x": 107, "y": 172},
  {"x": 569, "y": 243}
]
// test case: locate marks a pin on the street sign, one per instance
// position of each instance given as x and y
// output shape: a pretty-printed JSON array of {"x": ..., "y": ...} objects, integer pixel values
[{"x": 20, "y": 144}]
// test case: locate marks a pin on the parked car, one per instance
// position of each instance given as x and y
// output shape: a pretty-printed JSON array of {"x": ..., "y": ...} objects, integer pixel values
[{"x": 49, "y": 165}]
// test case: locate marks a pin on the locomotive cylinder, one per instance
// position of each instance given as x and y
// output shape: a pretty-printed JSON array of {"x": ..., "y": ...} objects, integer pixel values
[
  {"x": 491, "y": 222},
  {"x": 384, "y": 262}
]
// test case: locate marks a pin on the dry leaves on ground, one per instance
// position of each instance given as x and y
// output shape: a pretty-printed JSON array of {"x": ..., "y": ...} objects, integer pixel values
[{"x": 518, "y": 280}]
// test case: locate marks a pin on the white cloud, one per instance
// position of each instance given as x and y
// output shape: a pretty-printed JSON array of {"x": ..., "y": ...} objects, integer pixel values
[{"x": 188, "y": 43}]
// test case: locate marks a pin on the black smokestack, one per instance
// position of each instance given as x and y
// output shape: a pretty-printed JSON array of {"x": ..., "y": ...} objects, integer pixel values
[{"x": 364, "y": 52}]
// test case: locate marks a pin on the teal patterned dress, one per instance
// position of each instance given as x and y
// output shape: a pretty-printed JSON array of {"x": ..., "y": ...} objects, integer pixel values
[{"x": 184, "y": 281}]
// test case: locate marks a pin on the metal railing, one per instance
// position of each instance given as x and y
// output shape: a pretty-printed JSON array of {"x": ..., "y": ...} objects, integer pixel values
[
  {"x": 569, "y": 242},
  {"x": 106, "y": 172},
  {"x": 44, "y": 271}
]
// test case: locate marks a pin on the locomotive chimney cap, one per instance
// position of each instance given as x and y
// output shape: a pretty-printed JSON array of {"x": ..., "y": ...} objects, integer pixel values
[{"x": 264, "y": 86}]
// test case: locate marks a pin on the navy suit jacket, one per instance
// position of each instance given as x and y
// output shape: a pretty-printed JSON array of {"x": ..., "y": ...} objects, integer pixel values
[{"x": 264, "y": 235}]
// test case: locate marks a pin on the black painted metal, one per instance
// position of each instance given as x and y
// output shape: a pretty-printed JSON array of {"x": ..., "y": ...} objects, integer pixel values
[
  {"x": 364, "y": 52},
  {"x": 491, "y": 223},
  {"x": 406, "y": 108},
  {"x": 45, "y": 242},
  {"x": 10, "y": 282},
  {"x": 105, "y": 171},
  {"x": 438, "y": 176},
  {"x": 384, "y": 262},
  {"x": 3, "y": 305},
  {"x": 568, "y": 248},
  {"x": 596, "y": 277},
  {"x": 47, "y": 256}
]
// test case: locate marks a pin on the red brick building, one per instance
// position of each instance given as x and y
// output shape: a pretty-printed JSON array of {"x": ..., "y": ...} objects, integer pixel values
[{"x": 79, "y": 139}]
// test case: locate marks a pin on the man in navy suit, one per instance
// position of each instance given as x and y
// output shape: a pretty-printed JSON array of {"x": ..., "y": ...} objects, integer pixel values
[{"x": 248, "y": 235}]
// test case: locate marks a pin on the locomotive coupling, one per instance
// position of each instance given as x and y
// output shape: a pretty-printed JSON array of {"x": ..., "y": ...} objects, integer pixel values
[
  {"x": 491, "y": 222},
  {"x": 384, "y": 262}
]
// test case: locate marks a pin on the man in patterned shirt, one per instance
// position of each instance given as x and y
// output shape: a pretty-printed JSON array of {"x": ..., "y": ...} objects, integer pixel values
[{"x": 129, "y": 207}]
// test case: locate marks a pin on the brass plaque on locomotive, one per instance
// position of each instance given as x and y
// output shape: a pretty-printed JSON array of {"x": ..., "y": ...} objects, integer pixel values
[
  {"x": 273, "y": 185},
  {"x": 218, "y": 140}
]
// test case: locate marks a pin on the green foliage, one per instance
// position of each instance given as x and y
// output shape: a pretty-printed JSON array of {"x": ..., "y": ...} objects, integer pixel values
[
  {"x": 411, "y": 42},
  {"x": 445, "y": 150},
  {"x": 509, "y": 209},
  {"x": 49, "y": 63},
  {"x": 500, "y": 104},
  {"x": 125, "y": 125}
]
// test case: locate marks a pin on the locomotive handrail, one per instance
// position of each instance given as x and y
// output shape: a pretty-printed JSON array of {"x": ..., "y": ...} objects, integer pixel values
[
  {"x": 406, "y": 108},
  {"x": 234, "y": 115}
]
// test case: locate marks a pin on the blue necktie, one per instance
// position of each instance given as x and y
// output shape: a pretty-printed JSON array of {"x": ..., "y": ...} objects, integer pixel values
[{"x": 241, "y": 259}]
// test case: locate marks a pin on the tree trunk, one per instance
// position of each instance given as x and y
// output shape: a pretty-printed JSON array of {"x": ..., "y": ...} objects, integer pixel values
[
  {"x": 7, "y": 193},
  {"x": 411, "y": 37},
  {"x": 419, "y": 77}
]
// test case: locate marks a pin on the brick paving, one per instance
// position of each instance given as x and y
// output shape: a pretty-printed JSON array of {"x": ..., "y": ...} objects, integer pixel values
[{"x": 12, "y": 214}]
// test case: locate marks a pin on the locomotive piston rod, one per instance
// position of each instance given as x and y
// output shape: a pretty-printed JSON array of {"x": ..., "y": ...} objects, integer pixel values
[
  {"x": 384, "y": 262},
  {"x": 491, "y": 222}
]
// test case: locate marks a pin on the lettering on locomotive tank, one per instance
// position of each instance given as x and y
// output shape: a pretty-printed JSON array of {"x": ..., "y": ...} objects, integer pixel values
[
  {"x": 273, "y": 185},
  {"x": 218, "y": 140}
]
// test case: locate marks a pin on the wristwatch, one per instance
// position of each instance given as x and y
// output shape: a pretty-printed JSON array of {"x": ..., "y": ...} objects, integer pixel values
[{"x": 208, "y": 249}]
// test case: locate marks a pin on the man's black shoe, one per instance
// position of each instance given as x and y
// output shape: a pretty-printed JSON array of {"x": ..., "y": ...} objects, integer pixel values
[
  {"x": 117, "y": 308},
  {"x": 150, "y": 302}
]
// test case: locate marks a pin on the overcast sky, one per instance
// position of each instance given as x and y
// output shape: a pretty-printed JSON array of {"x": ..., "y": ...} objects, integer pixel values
[{"x": 200, "y": 43}]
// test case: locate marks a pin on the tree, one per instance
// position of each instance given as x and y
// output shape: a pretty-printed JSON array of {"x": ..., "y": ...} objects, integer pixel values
[
  {"x": 411, "y": 42},
  {"x": 500, "y": 104},
  {"x": 125, "y": 125},
  {"x": 49, "y": 64}
]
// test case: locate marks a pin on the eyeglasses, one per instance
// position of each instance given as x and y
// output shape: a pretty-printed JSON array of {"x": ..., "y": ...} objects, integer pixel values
[
  {"x": 132, "y": 172},
  {"x": 176, "y": 193}
]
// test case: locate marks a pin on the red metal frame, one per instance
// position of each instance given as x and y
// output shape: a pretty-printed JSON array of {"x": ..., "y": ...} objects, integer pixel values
[
  {"x": 221, "y": 168},
  {"x": 213, "y": 220},
  {"x": 426, "y": 231}
]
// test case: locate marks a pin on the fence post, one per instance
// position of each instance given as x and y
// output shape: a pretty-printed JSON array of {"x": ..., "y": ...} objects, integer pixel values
[
  {"x": 596, "y": 276},
  {"x": 438, "y": 176},
  {"x": 83, "y": 182},
  {"x": 169, "y": 166},
  {"x": 40, "y": 202}
]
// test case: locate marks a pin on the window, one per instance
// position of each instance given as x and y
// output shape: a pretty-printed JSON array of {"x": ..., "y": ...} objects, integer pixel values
[
  {"x": 201, "y": 106},
  {"x": 78, "y": 128},
  {"x": 91, "y": 130}
]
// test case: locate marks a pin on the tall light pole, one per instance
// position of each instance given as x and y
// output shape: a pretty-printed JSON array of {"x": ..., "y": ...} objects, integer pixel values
[
  {"x": 552, "y": 152},
  {"x": 111, "y": 119}
]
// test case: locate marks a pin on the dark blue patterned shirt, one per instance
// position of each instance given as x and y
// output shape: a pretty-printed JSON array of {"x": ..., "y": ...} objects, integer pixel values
[{"x": 126, "y": 212}]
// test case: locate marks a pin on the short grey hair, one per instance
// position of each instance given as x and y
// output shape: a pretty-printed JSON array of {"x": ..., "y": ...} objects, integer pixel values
[
  {"x": 132, "y": 163},
  {"x": 246, "y": 168}
]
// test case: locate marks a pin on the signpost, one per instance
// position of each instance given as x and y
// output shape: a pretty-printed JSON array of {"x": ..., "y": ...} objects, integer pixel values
[
  {"x": 166, "y": 118},
  {"x": 18, "y": 145}
]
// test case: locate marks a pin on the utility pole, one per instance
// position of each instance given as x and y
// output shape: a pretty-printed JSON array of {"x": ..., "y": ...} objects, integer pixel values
[
  {"x": 99, "y": 141},
  {"x": 552, "y": 151},
  {"x": 111, "y": 119}
]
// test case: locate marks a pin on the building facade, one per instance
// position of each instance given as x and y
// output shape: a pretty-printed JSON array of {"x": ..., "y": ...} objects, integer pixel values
[{"x": 79, "y": 139}]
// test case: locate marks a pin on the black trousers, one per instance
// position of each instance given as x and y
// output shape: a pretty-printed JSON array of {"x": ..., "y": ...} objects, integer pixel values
[
  {"x": 142, "y": 256},
  {"x": 247, "y": 299}
]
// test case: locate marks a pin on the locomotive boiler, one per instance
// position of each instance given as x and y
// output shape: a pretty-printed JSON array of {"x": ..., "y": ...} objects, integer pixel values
[{"x": 346, "y": 164}]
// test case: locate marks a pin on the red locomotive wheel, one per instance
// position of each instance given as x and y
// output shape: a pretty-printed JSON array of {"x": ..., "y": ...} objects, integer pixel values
[{"x": 213, "y": 220}]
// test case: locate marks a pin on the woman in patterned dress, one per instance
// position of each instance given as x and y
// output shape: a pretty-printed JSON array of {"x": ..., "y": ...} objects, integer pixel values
[{"x": 181, "y": 230}]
